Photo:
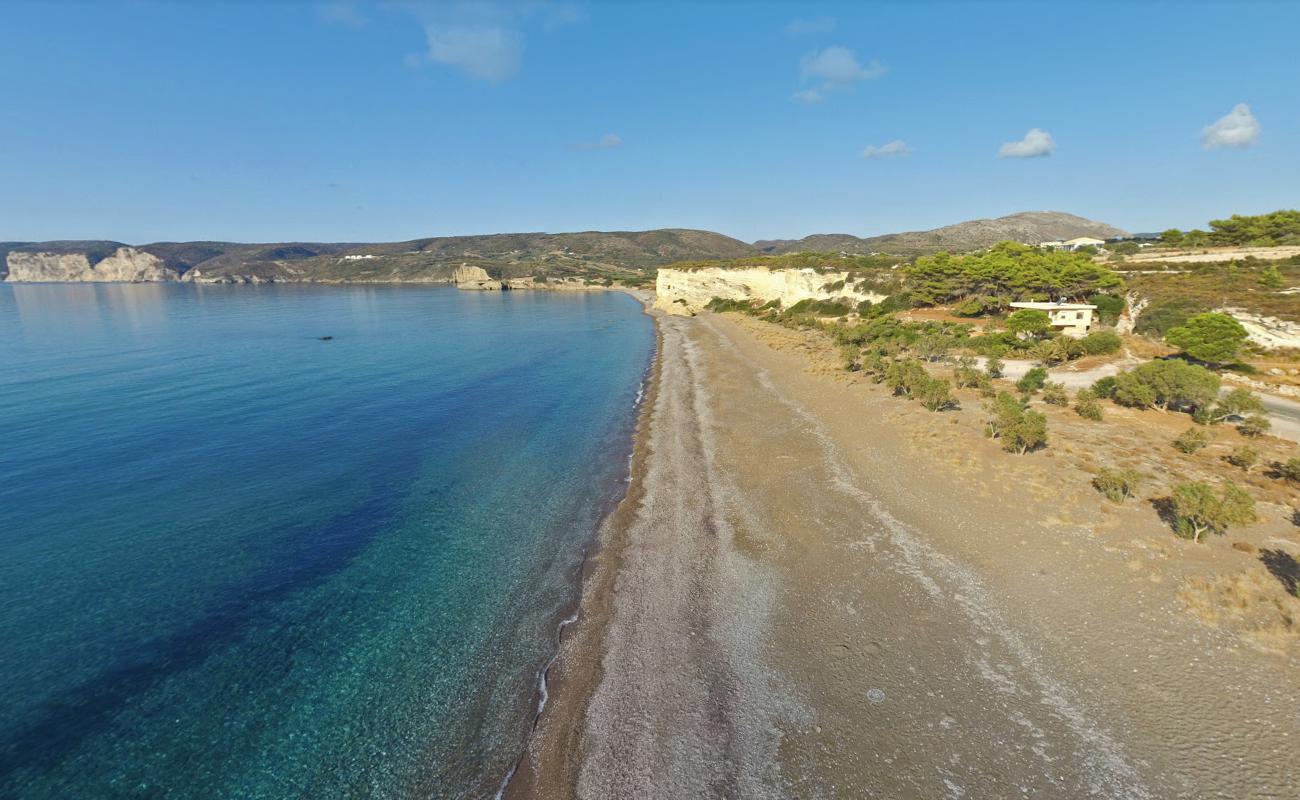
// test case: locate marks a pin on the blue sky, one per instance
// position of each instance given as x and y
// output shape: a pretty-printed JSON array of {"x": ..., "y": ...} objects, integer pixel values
[{"x": 353, "y": 122}]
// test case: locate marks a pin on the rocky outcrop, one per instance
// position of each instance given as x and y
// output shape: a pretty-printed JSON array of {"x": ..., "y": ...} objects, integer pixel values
[
  {"x": 1269, "y": 332},
  {"x": 474, "y": 278},
  {"x": 125, "y": 265},
  {"x": 687, "y": 291}
]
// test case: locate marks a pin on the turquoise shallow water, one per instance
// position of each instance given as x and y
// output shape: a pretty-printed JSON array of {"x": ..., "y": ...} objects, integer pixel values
[{"x": 238, "y": 561}]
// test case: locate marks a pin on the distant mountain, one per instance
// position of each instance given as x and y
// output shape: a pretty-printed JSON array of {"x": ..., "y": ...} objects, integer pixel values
[
  {"x": 589, "y": 254},
  {"x": 625, "y": 255},
  {"x": 1030, "y": 227}
]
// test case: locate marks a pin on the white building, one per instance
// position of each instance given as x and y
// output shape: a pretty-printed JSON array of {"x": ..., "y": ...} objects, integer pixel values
[
  {"x": 1074, "y": 244},
  {"x": 1071, "y": 319}
]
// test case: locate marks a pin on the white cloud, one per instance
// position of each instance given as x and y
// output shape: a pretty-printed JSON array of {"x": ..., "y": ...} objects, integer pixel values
[
  {"x": 488, "y": 52},
  {"x": 895, "y": 149},
  {"x": 808, "y": 27},
  {"x": 607, "y": 142},
  {"x": 1037, "y": 142},
  {"x": 342, "y": 13},
  {"x": 484, "y": 39},
  {"x": 837, "y": 66},
  {"x": 831, "y": 69},
  {"x": 1238, "y": 128}
]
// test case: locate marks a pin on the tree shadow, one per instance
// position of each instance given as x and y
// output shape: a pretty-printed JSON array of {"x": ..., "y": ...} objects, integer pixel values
[
  {"x": 1283, "y": 566},
  {"x": 1164, "y": 507}
]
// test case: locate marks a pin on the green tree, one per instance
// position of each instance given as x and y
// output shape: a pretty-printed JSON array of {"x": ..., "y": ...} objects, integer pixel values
[
  {"x": 1109, "y": 307},
  {"x": 1198, "y": 509},
  {"x": 1211, "y": 337},
  {"x": 1172, "y": 238},
  {"x": 1032, "y": 381},
  {"x": 1118, "y": 485},
  {"x": 935, "y": 394},
  {"x": 1029, "y": 323},
  {"x": 1235, "y": 403},
  {"x": 994, "y": 366},
  {"x": 1169, "y": 384},
  {"x": 1018, "y": 429}
]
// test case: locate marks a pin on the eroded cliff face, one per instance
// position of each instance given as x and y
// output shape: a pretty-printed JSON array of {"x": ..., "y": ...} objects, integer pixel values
[
  {"x": 688, "y": 291},
  {"x": 125, "y": 265}
]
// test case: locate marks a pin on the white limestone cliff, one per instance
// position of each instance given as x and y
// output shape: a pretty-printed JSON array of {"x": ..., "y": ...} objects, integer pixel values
[
  {"x": 681, "y": 291},
  {"x": 125, "y": 265}
]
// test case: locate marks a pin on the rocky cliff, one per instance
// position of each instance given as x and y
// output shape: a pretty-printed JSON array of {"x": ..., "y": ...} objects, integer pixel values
[
  {"x": 686, "y": 291},
  {"x": 466, "y": 277},
  {"x": 126, "y": 264}
]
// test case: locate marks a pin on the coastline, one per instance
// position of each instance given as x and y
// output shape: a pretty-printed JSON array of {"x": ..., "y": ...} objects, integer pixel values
[
  {"x": 549, "y": 764},
  {"x": 812, "y": 590}
]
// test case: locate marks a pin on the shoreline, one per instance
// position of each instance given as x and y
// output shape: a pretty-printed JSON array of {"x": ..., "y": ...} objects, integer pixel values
[{"x": 571, "y": 675}]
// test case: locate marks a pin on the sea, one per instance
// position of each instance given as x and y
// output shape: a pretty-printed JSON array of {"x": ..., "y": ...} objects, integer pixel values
[{"x": 294, "y": 541}]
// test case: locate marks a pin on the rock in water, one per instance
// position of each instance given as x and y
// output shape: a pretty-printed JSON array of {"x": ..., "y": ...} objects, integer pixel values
[{"x": 467, "y": 277}]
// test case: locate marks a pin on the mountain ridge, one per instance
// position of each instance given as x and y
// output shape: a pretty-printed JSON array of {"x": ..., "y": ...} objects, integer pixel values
[
  {"x": 1030, "y": 227},
  {"x": 592, "y": 255}
]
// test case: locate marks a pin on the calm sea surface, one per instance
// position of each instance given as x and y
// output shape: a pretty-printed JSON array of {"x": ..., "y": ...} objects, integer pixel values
[{"x": 237, "y": 561}]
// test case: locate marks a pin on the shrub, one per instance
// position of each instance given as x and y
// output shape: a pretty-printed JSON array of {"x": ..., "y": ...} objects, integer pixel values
[
  {"x": 968, "y": 377},
  {"x": 993, "y": 367},
  {"x": 1254, "y": 425},
  {"x": 1104, "y": 387},
  {"x": 1100, "y": 343},
  {"x": 1161, "y": 317},
  {"x": 1032, "y": 381},
  {"x": 1117, "y": 485},
  {"x": 1192, "y": 440},
  {"x": 1056, "y": 351},
  {"x": 1055, "y": 394},
  {"x": 849, "y": 358},
  {"x": 1288, "y": 470},
  {"x": 935, "y": 394},
  {"x": 1243, "y": 456},
  {"x": 1212, "y": 337},
  {"x": 1196, "y": 509},
  {"x": 1170, "y": 384},
  {"x": 1086, "y": 405}
]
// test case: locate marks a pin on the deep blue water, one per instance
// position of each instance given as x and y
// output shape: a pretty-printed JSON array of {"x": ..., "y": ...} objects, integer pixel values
[{"x": 240, "y": 562}]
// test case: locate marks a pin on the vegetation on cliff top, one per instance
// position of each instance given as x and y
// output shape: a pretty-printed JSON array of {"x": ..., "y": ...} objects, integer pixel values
[{"x": 1261, "y": 230}]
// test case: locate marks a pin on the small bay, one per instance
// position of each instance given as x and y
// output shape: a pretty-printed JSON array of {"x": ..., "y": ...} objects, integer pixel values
[{"x": 238, "y": 559}]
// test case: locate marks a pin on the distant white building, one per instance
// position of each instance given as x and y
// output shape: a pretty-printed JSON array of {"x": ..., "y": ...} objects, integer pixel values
[
  {"x": 1074, "y": 244},
  {"x": 1071, "y": 319}
]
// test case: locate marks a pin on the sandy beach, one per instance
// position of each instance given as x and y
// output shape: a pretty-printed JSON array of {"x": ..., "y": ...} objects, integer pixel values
[{"x": 814, "y": 590}]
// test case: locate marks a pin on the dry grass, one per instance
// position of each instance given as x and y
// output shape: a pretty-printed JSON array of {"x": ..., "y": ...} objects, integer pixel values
[{"x": 1251, "y": 603}]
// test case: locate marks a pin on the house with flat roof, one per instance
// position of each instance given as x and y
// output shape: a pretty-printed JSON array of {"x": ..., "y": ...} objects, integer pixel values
[
  {"x": 1074, "y": 244},
  {"x": 1071, "y": 319}
]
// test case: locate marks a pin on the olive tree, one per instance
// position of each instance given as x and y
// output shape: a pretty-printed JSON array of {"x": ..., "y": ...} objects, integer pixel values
[{"x": 1197, "y": 508}]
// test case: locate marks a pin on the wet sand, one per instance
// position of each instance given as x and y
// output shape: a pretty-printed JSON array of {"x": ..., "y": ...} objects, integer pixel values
[{"x": 814, "y": 590}]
